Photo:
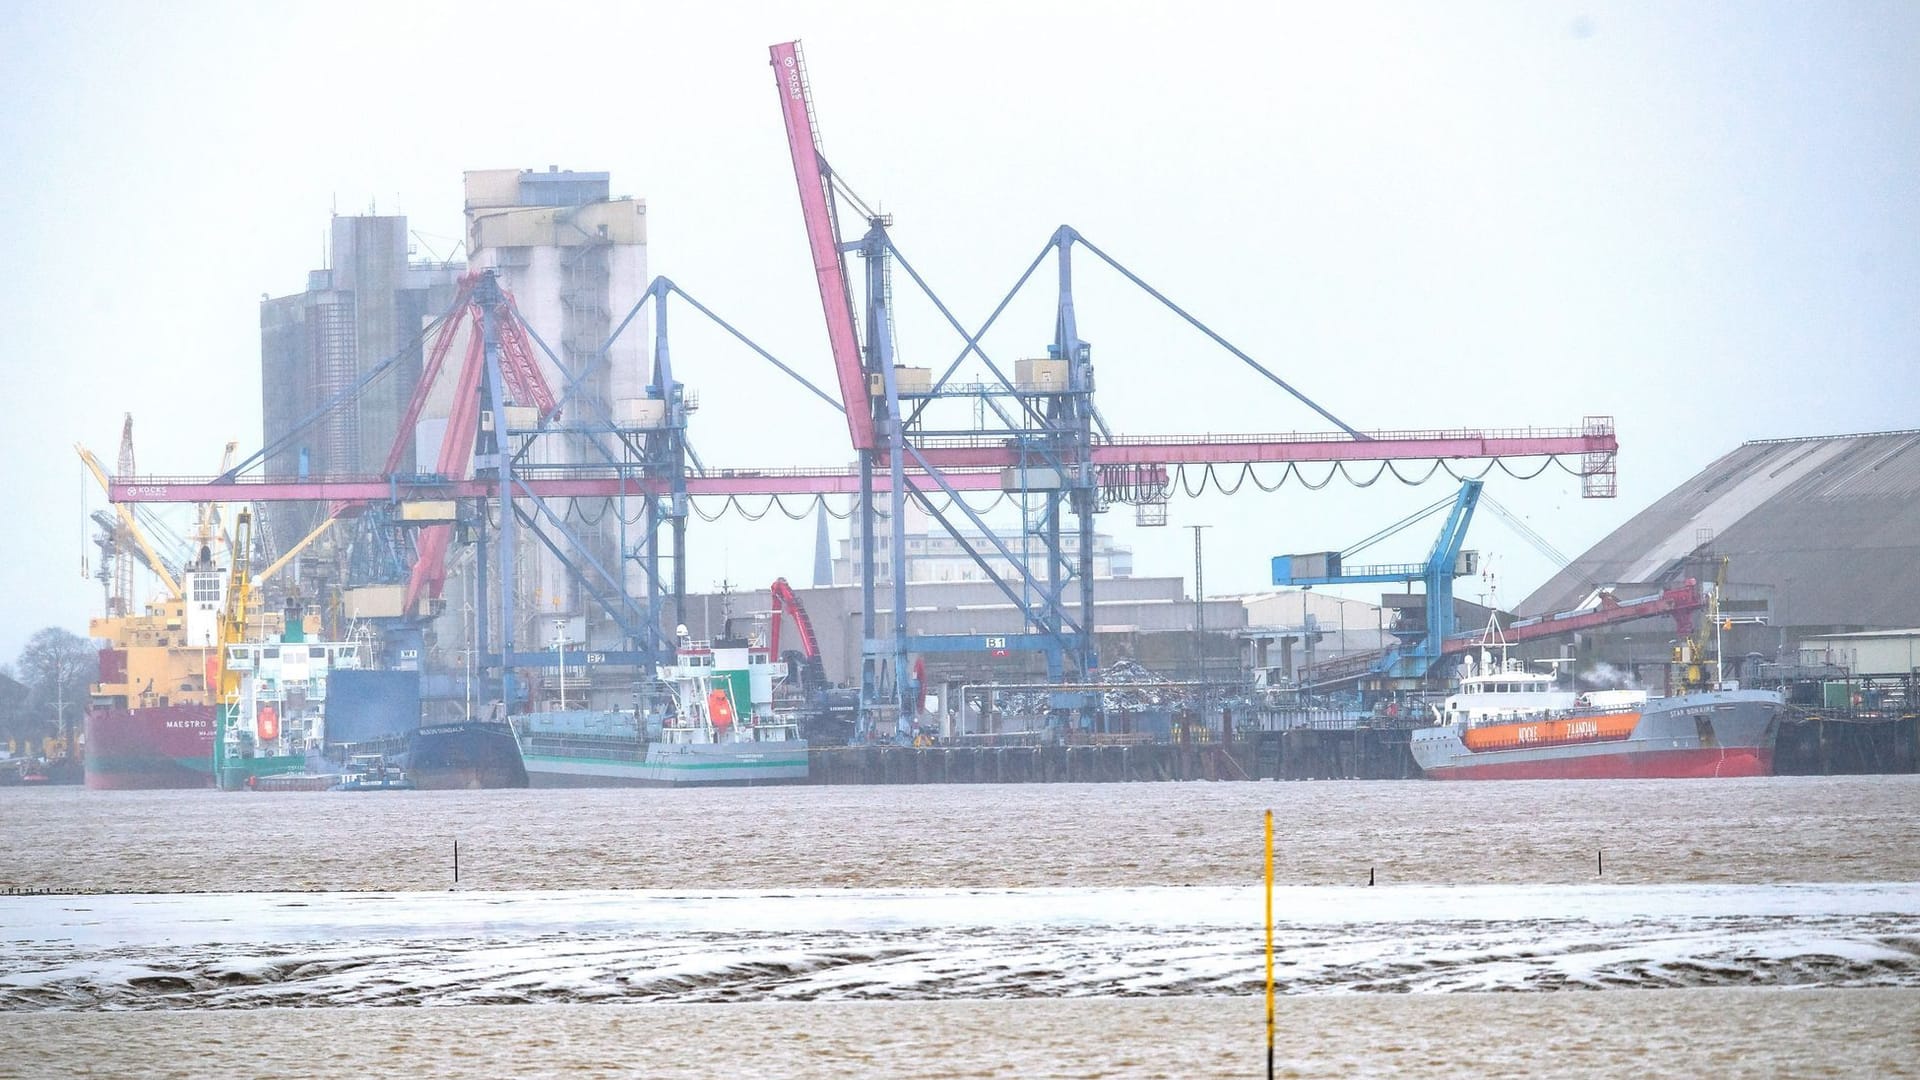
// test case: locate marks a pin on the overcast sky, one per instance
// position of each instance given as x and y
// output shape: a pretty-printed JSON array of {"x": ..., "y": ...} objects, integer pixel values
[{"x": 1699, "y": 219}]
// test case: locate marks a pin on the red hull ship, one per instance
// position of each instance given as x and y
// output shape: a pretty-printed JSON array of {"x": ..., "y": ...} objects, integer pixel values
[{"x": 158, "y": 746}]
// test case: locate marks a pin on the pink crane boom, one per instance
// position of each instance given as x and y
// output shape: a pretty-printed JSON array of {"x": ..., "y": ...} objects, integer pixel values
[{"x": 823, "y": 240}]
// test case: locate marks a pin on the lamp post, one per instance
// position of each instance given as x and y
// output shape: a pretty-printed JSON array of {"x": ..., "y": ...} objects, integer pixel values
[
  {"x": 560, "y": 644},
  {"x": 1200, "y": 623}
]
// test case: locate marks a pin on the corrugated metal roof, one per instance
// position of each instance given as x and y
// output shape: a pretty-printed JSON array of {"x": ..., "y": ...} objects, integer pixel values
[{"x": 1830, "y": 524}]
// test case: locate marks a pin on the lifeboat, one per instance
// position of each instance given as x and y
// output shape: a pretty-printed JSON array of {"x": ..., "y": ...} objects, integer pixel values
[{"x": 719, "y": 708}]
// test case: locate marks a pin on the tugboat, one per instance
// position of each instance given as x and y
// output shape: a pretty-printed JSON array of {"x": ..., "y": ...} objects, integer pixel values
[{"x": 370, "y": 772}]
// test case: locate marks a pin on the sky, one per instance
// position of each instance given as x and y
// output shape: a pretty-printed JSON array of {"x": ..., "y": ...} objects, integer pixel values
[{"x": 1700, "y": 220}]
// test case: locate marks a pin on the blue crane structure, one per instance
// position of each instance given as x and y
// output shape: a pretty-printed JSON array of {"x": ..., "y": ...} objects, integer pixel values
[{"x": 1421, "y": 647}]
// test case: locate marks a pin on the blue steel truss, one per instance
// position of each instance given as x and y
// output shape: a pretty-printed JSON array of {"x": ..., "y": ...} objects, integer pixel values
[
  {"x": 643, "y": 598},
  {"x": 1052, "y": 428}
]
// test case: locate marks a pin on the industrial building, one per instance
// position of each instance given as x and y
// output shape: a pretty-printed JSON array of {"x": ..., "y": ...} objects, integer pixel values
[
  {"x": 1819, "y": 536},
  {"x": 1287, "y": 633},
  {"x": 565, "y": 249},
  {"x": 1148, "y": 620},
  {"x": 366, "y": 305}
]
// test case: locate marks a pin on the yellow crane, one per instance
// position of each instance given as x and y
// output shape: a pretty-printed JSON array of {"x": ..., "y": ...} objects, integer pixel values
[
  {"x": 125, "y": 513},
  {"x": 1696, "y": 669},
  {"x": 206, "y": 526}
]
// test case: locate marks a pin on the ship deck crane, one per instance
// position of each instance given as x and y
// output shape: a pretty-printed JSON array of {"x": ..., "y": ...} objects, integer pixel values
[{"x": 786, "y": 603}]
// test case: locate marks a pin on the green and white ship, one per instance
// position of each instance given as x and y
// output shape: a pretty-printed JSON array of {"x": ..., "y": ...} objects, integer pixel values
[
  {"x": 274, "y": 724},
  {"x": 716, "y": 726}
]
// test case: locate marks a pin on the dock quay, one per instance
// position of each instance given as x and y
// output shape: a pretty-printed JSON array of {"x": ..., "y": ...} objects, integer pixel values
[
  {"x": 1823, "y": 745},
  {"x": 1840, "y": 742}
]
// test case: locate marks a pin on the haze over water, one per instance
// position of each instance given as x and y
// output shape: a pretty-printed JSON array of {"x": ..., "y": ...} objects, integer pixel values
[{"x": 1030, "y": 930}]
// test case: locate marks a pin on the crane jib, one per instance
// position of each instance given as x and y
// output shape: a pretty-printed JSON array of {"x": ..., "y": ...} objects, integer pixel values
[{"x": 803, "y": 143}]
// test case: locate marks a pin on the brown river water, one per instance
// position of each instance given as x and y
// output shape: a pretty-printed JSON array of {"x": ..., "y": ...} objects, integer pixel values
[
  {"x": 1783, "y": 829},
  {"x": 1739, "y": 928}
]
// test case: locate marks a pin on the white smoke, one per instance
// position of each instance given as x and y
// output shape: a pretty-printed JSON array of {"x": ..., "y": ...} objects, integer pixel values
[{"x": 1604, "y": 676}]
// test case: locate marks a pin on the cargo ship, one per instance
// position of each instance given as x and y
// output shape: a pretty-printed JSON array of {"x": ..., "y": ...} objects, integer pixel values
[
  {"x": 720, "y": 727},
  {"x": 155, "y": 720},
  {"x": 716, "y": 725},
  {"x": 1507, "y": 723},
  {"x": 151, "y": 720}
]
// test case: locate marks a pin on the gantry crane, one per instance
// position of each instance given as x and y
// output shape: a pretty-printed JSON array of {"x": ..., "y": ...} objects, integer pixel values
[{"x": 1054, "y": 452}]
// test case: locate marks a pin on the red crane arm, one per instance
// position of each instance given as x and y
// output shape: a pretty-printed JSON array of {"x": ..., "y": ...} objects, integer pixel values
[
  {"x": 436, "y": 356},
  {"x": 785, "y": 601},
  {"x": 518, "y": 368},
  {"x": 1682, "y": 602},
  {"x": 456, "y": 462},
  {"x": 803, "y": 141}
]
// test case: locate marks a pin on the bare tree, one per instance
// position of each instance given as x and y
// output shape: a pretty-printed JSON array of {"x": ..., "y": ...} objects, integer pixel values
[{"x": 56, "y": 666}]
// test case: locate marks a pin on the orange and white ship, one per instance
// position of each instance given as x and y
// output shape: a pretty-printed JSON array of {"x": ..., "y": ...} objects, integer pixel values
[{"x": 1507, "y": 723}]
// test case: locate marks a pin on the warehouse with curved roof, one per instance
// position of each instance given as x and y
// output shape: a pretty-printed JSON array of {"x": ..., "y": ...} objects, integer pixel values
[{"x": 1820, "y": 535}]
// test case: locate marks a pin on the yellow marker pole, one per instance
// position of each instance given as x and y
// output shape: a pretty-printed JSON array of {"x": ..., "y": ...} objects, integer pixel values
[{"x": 1269, "y": 945}]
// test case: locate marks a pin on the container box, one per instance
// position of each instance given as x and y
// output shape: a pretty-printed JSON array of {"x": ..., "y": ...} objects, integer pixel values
[
  {"x": 913, "y": 380},
  {"x": 1044, "y": 376},
  {"x": 376, "y": 602},
  {"x": 434, "y": 511},
  {"x": 640, "y": 413}
]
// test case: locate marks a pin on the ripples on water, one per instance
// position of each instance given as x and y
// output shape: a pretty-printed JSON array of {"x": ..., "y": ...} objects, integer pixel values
[{"x": 986, "y": 836}]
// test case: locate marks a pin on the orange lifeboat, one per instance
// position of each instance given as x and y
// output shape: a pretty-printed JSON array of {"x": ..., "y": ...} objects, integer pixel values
[
  {"x": 720, "y": 708},
  {"x": 267, "y": 724}
]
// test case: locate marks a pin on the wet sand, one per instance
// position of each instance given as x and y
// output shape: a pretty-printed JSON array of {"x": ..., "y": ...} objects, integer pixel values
[{"x": 1623, "y": 1033}]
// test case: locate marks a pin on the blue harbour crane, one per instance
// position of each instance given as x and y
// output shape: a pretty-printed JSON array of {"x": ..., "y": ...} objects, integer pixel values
[{"x": 1420, "y": 648}]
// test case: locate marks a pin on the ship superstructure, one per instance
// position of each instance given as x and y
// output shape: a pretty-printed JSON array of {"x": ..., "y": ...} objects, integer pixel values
[
  {"x": 151, "y": 720},
  {"x": 721, "y": 726},
  {"x": 275, "y": 721}
]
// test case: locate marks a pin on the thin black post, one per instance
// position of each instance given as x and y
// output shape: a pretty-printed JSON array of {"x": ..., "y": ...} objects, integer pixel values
[{"x": 456, "y": 862}]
